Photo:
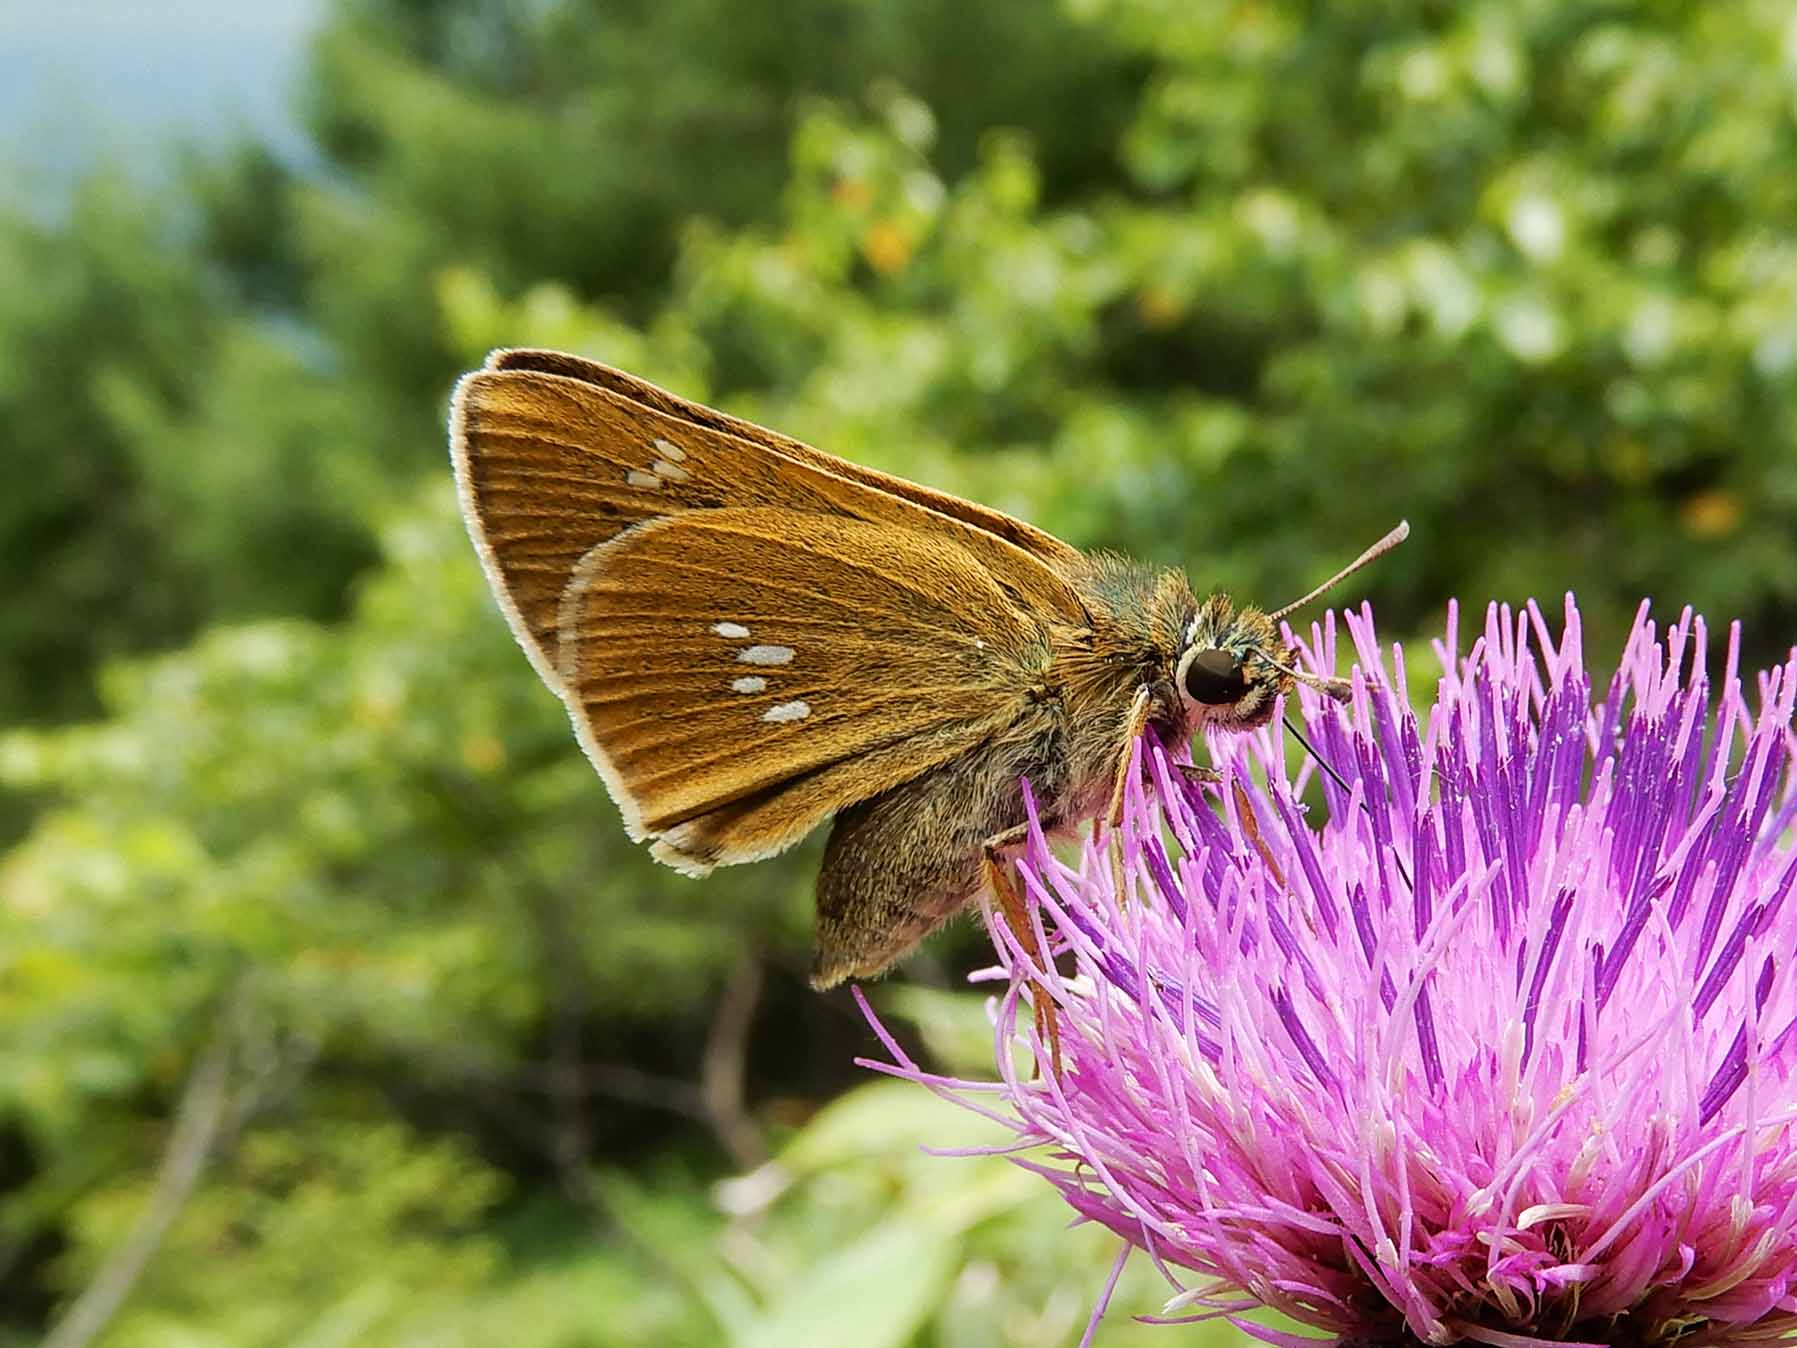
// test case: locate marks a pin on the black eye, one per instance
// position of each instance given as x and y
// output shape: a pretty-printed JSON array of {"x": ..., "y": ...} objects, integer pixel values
[{"x": 1215, "y": 678}]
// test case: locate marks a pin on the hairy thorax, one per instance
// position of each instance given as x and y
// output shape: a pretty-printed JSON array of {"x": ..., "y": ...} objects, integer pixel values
[{"x": 1100, "y": 675}]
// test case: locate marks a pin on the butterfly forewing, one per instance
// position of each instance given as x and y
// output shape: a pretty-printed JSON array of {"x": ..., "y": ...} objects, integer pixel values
[
  {"x": 727, "y": 669},
  {"x": 1043, "y": 546}
]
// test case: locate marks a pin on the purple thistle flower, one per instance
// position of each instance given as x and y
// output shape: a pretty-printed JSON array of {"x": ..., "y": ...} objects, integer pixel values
[{"x": 1500, "y": 1049}]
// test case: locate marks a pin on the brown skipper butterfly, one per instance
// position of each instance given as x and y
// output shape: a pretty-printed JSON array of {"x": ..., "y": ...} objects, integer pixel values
[{"x": 753, "y": 637}]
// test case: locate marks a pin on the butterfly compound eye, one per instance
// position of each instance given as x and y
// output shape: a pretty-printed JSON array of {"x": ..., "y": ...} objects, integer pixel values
[{"x": 1214, "y": 678}]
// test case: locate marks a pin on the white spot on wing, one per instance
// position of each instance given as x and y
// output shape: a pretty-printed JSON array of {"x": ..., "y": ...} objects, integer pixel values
[
  {"x": 671, "y": 472},
  {"x": 735, "y": 630},
  {"x": 787, "y": 711},
  {"x": 749, "y": 683},
  {"x": 669, "y": 450},
  {"x": 637, "y": 478},
  {"x": 764, "y": 655}
]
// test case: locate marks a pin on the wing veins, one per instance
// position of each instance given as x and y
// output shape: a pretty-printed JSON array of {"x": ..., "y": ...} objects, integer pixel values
[
  {"x": 752, "y": 701},
  {"x": 698, "y": 568}
]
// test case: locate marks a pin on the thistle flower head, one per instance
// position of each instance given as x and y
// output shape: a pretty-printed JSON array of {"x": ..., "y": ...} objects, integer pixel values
[{"x": 1498, "y": 1044}]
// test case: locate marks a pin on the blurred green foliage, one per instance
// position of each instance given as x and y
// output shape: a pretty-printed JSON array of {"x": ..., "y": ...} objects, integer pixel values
[{"x": 316, "y": 875}]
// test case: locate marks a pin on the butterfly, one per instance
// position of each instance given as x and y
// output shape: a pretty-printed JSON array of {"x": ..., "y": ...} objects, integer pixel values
[{"x": 753, "y": 638}]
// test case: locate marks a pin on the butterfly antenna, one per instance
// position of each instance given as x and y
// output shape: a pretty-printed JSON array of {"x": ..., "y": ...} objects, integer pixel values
[
  {"x": 1379, "y": 549},
  {"x": 1347, "y": 790}
]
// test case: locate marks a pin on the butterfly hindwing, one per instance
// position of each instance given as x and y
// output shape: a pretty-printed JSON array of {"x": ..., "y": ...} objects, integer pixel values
[{"x": 737, "y": 675}]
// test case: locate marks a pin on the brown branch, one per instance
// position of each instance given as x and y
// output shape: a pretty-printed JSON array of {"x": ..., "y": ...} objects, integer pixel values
[
  {"x": 203, "y": 1107},
  {"x": 612, "y": 1081},
  {"x": 722, "y": 1069},
  {"x": 570, "y": 1131}
]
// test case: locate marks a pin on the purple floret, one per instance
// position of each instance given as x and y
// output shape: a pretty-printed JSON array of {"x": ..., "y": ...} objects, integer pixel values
[{"x": 1496, "y": 1043}]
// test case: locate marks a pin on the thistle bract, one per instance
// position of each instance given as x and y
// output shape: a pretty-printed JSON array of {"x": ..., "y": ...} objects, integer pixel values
[{"x": 1496, "y": 1043}]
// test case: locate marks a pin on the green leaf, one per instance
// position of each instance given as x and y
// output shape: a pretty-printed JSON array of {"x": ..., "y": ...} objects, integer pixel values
[
  {"x": 883, "y": 1122},
  {"x": 876, "y": 1293}
]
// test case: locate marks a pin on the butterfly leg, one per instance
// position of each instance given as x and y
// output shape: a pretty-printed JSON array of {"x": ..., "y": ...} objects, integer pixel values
[
  {"x": 1138, "y": 722},
  {"x": 1113, "y": 814},
  {"x": 1251, "y": 828},
  {"x": 998, "y": 855}
]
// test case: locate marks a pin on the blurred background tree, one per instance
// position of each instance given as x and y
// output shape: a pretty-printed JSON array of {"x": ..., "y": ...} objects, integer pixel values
[{"x": 334, "y": 1006}]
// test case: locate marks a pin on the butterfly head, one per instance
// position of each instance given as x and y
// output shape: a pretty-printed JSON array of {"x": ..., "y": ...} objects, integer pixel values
[{"x": 1235, "y": 667}]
